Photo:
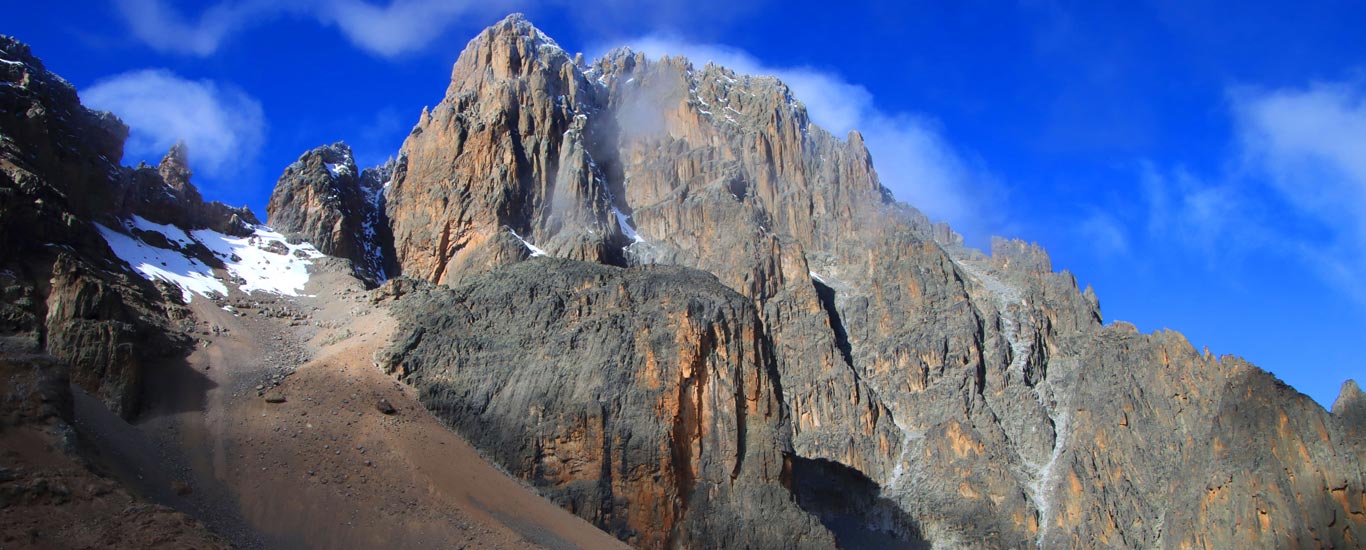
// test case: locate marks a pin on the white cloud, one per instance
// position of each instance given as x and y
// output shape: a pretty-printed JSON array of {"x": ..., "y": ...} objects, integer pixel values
[
  {"x": 390, "y": 29},
  {"x": 1296, "y": 186},
  {"x": 402, "y": 26},
  {"x": 1105, "y": 234},
  {"x": 161, "y": 25},
  {"x": 911, "y": 157},
  {"x": 1310, "y": 144},
  {"x": 223, "y": 127},
  {"x": 1195, "y": 211}
]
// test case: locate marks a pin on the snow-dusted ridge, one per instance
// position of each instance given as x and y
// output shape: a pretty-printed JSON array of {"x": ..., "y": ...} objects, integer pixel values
[{"x": 264, "y": 261}]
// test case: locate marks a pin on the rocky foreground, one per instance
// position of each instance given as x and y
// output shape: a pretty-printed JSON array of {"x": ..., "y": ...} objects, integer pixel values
[{"x": 653, "y": 292}]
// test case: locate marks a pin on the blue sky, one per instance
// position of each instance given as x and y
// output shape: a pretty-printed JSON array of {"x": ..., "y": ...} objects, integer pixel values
[{"x": 1201, "y": 164}]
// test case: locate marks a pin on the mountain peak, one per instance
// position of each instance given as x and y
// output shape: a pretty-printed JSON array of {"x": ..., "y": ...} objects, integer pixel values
[
  {"x": 1351, "y": 401},
  {"x": 517, "y": 26},
  {"x": 510, "y": 48},
  {"x": 175, "y": 169}
]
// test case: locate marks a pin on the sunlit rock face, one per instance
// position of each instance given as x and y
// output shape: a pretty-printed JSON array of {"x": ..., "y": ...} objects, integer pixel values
[
  {"x": 505, "y": 159},
  {"x": 982, "y": 397}
]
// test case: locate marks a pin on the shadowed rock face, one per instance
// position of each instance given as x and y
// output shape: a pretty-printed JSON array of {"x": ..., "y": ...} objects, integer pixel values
[
  {"x": 325, "y": 199},
  {"x": 644, "y": 400},
  {"x": 51, "y": 495},
  {"x": 982, "y": 394},
  {"x": 64, "y": 291}
]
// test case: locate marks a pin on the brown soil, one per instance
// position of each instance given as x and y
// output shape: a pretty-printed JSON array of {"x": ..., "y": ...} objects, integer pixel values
[
  {"x": 325, "y": 468},
  {"x": 49, "y": 500}
]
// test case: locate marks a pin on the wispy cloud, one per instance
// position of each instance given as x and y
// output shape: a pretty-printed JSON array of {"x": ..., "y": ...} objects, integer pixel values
[
  {"x": 223, "y": 127},
  {"x": 390, "y": 29},
  {"x": 161, "y": 25},
  {"x": 1295, "y": 185},
  {"x": 404, "y": 25},
  {"x": 1310, "y": 144},
  {"x": 1105, "y": 233},
  {"x": 912, "y": 157},
  {"x": 1216, "y": 217}
]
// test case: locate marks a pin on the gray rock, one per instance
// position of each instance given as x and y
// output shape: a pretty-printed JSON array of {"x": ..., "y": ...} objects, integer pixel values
[
  {"x": 645, "y": 400},
  {"x": 325, "y": 199},
  {"x": 982, "y": 394}
]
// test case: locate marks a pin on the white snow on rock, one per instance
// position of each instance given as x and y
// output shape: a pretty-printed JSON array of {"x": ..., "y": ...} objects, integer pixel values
[
  {"x": 337, "y": 170},
  {"x": 260, "y": 268},
  {"x": 172, "y": 266},
  {"x": 263, "y": 261},
  {"x": 626, "y": 228},
  {"x": 534, "y": 250}
]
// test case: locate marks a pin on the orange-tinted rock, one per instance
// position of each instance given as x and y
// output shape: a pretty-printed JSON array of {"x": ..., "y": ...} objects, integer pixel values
[
  {"x": 643, "y": 400},
  {"x": 982, "y": 394},
  {"x": 505, "y": 157}
]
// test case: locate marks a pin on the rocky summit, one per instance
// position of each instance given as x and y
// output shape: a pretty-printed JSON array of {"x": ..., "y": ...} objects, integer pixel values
[{"x": 654, "y": 294}]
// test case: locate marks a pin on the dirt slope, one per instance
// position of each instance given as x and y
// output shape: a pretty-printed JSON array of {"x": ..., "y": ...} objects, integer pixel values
[{"x": 325, "y": 468}]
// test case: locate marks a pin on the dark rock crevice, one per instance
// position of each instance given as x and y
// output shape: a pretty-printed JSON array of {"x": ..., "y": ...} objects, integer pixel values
[
  {"x": 853, "y": 507},
  {"x": 827, "y": 297}
]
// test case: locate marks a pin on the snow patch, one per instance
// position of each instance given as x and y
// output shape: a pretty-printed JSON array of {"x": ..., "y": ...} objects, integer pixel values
[
  {"x": 534, "y": 250},
  {"x": 160, "y": 264},
  {"x": 263, "y": 261},
  {"x": 256, "y": 259},
  {"x": 626, "y": 228},
  {"x": 337, "y": 170}
]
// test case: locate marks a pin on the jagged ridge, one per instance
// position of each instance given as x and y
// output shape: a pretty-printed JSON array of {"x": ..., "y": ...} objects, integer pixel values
[{"x": 982, "y": 392}]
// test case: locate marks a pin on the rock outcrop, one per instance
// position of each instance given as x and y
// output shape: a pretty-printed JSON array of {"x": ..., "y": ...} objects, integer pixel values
[
  {"x": 166, "y": 195},
  {"x": 58, "y": 171},
  {"x": 1350, "y": 406},
  {"x": 65, "y": 293},
  {"x": 983, "y": 395},
  {"x": 503, "y": 164},
  {"x": 644, "y": 400},
  {"x": 325, "y": 199}
]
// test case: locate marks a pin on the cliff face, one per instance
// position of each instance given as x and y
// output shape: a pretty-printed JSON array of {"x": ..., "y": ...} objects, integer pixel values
[
  {"x": 983, "y": 395},
  {"x": 643, "y": 400},
  {"x": 325, "y": 199},
  {"x": 58, "y": 169},
  {"x": 505, "y": 159},
  {"x": 738, "y": 330},
  {"x": 65, "y": 291}
]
